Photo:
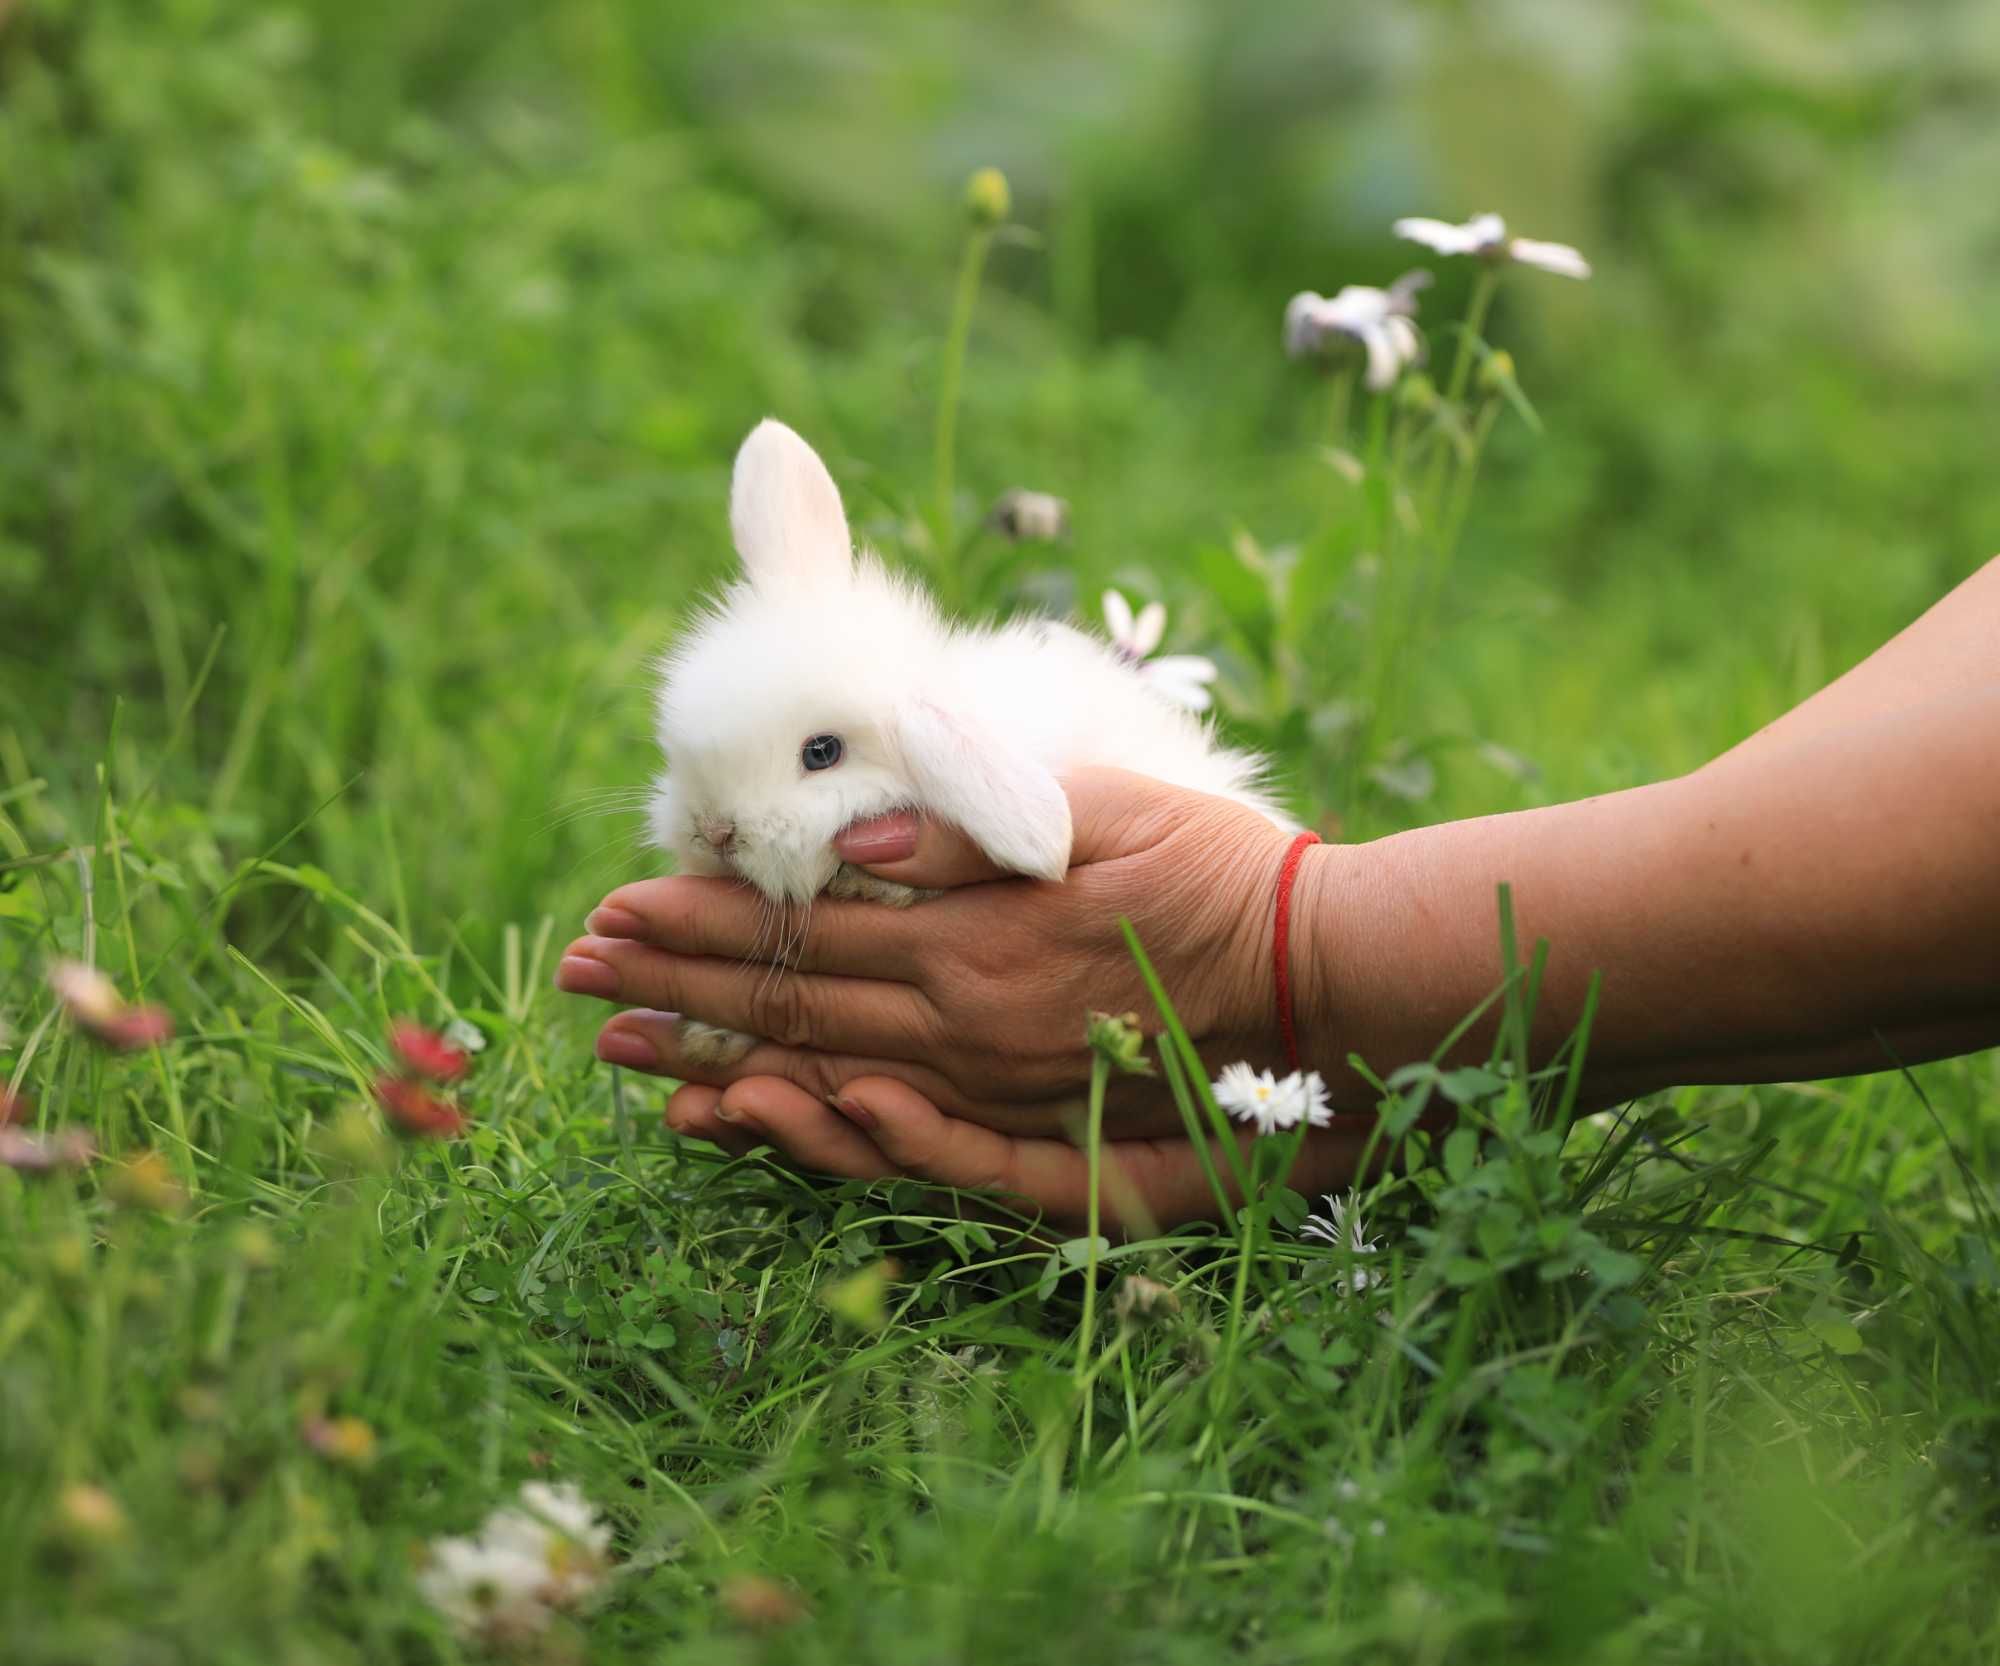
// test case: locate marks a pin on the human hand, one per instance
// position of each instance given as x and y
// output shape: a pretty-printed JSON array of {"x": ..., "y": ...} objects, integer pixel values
[
  {"x": 877, "y": 1127},
  {"x": 977, "y": 998}
]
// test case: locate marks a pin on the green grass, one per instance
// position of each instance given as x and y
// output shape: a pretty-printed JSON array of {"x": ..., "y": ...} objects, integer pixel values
[{"x": 369, "y": 379}]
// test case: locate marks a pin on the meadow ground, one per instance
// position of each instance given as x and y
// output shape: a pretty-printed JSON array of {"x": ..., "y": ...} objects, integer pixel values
[{"x": 369, "y": 380}]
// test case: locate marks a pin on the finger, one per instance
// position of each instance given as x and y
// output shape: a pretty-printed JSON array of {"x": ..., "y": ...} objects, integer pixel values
[
  {"x": 921, "y": 1140},
  {"x": 914, "y": 850},
  {"x": 651, "y": 1042},
  {"x": 690, "y": 915},
  {"x": 691, "y": 1114},
  {"x": 795, "y": 1009},
  {"x": 805, "y": 1130}
]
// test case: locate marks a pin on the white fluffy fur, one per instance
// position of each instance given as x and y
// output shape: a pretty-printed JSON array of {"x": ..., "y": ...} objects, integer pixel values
[{"x": 974, "y": 725}]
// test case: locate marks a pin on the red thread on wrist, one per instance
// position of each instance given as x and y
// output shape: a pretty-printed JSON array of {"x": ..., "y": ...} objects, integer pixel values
[{"x": 1281, "y": 942}]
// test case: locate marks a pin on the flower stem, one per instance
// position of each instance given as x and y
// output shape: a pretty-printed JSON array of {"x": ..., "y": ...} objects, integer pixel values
[
  {"x": 971, "y": 264},
  {"x": 1100, "y": 1074},
  {"x": 1472, "y": 330}
]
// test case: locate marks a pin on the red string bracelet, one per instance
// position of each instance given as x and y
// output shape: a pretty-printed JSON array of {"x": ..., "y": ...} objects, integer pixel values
[{"x": 1281, "y": 942}]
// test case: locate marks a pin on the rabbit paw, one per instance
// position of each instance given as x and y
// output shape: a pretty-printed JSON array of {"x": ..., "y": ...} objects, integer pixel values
[
  {"x": 858, "y": 885},
  {"x": 709, "y": 1048}
]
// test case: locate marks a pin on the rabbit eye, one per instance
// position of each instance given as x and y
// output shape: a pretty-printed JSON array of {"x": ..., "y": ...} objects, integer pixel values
[{"x": 822, "y": 751}]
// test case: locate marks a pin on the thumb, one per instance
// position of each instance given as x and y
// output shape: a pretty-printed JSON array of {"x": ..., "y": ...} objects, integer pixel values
[
  {"x": 1112, "y": 812},
  {"x": 914, "y": 850}
]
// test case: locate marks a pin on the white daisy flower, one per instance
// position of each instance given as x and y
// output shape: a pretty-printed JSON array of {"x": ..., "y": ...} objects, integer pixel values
[
  {"x": 1303, "y": 1099},
  {"x": 488, "y": 1591},
  {"x": 1272, "y": 1106},
  {"x": 545, "y": 1552},
  {"x": 1134, "y": 638},
  {"x": 1379, "y": 319},
  {"x": 1248, "y": 1095},
  {"x": 1485, "y": 236},
  {"x": 1343, "y": 1227},
  {"x": 1181, "y": 678},
  {"x": 546, "y": 1512}
]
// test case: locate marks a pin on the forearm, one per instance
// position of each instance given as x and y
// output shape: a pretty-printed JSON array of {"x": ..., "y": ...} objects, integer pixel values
[{"x": 1763, "y": 918}]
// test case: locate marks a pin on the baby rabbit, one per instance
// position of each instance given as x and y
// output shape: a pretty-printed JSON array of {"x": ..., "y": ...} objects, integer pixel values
[{"x": 822, "y": 689}]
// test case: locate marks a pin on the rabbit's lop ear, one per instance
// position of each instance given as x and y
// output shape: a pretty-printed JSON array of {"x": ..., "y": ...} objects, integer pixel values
[
  {"x": 784, "y": 511},
  {"x": 1004, "y": 801}
]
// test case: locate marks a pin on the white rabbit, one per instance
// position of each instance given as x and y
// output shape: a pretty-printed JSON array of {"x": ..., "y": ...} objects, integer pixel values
[{"x": 822, "y": 689}]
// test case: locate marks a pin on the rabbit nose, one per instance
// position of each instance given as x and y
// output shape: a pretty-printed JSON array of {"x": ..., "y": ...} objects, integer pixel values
[{"x": 719, "y": 835}]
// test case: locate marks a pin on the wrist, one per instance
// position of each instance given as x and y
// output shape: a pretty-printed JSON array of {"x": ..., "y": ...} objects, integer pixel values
[{"x": 1335, "y": 904}]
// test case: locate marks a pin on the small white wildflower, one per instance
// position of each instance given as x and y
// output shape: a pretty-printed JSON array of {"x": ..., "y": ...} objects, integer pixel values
[
  {"x": 1248, "y": 1096},
  {"x": 1134, "y": 638},
  {"x": 543, "y": 1508},
  {"x": 467, "y": 1037},
  {"x": 1029, "y": 517},
  {"x": 1485, "y": 237},
  {"x": 543, "y": 1553},
  {"x": 1261, "y": 1098},
  {"x": 1379, "y": 319},
  {"x": 1343, "y": 1227},
  {"x": 488, "y": 1591},
  {"x": 1303, "y": 1099},
  {"x": 1180, "y": 678}
]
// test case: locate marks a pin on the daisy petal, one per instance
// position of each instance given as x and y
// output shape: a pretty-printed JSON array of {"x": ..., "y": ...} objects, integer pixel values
[
  {"x": 1151, "y": 626},
  {"x": 1118, "y": 617},
  {"x": 1559, "y": 258},
  {"x": 1440, "y": 235},
  {"x": 1383, "y": 359}
]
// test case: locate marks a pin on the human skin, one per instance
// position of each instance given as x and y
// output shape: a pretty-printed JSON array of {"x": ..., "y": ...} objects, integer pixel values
[{"x": 1823, "y": 899}]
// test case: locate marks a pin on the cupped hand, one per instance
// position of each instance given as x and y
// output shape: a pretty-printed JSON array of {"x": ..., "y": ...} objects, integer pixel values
[
  {"x": 977, "y": 998},
  {"x": 878, "y": 1126}
]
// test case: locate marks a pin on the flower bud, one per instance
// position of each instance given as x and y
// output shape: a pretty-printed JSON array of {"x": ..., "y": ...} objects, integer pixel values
[
  {"x": 1141, "y": 1300},
  {"x": 147, "y": 1183},
  {"x": 342, "y": 1440},
  {"x": 1027, "y": 517},
  {"x": 89, "y": 1517},
  {"x": 1417, "y": 392},
  {"x": 862, "y": 1299},
  {"x": 254, "y": 1246},
  {"x": 759, "y": 1603},
  {"x": 987, "y": 199},
  {"x": 1117, "y": 1039},
  {"x": 1496, "y": 375}
]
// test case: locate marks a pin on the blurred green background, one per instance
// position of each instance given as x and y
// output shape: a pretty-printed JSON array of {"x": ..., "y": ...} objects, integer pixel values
[
  {"x": 408, "y": 345},
  {"x": 370, "y": 373}
]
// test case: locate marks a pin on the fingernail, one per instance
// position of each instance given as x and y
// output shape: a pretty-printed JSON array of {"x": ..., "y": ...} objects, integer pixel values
[
  {"x": 614, "y": 922},
  {"x": 578, "y": 976},
  {"x": 634, "y": 1052},
  {"x": 855, "y": 1112},
  {"x": 889, "y": 838}
]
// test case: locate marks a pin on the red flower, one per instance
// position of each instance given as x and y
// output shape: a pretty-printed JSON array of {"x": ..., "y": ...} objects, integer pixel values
[
  {"x": 425, "y": 1052},
  {"x": 94, "y": 1002},
  {"x": 416, "y": 1111},
  {"x": 136, "y": 1027},
  {"x": 69, "y": 1148}
]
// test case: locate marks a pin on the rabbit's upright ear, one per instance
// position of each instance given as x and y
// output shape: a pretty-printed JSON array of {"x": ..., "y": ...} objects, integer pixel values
[
  {"x": 784, "y": 511},
  {"x": 1002, "y": 799}
]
